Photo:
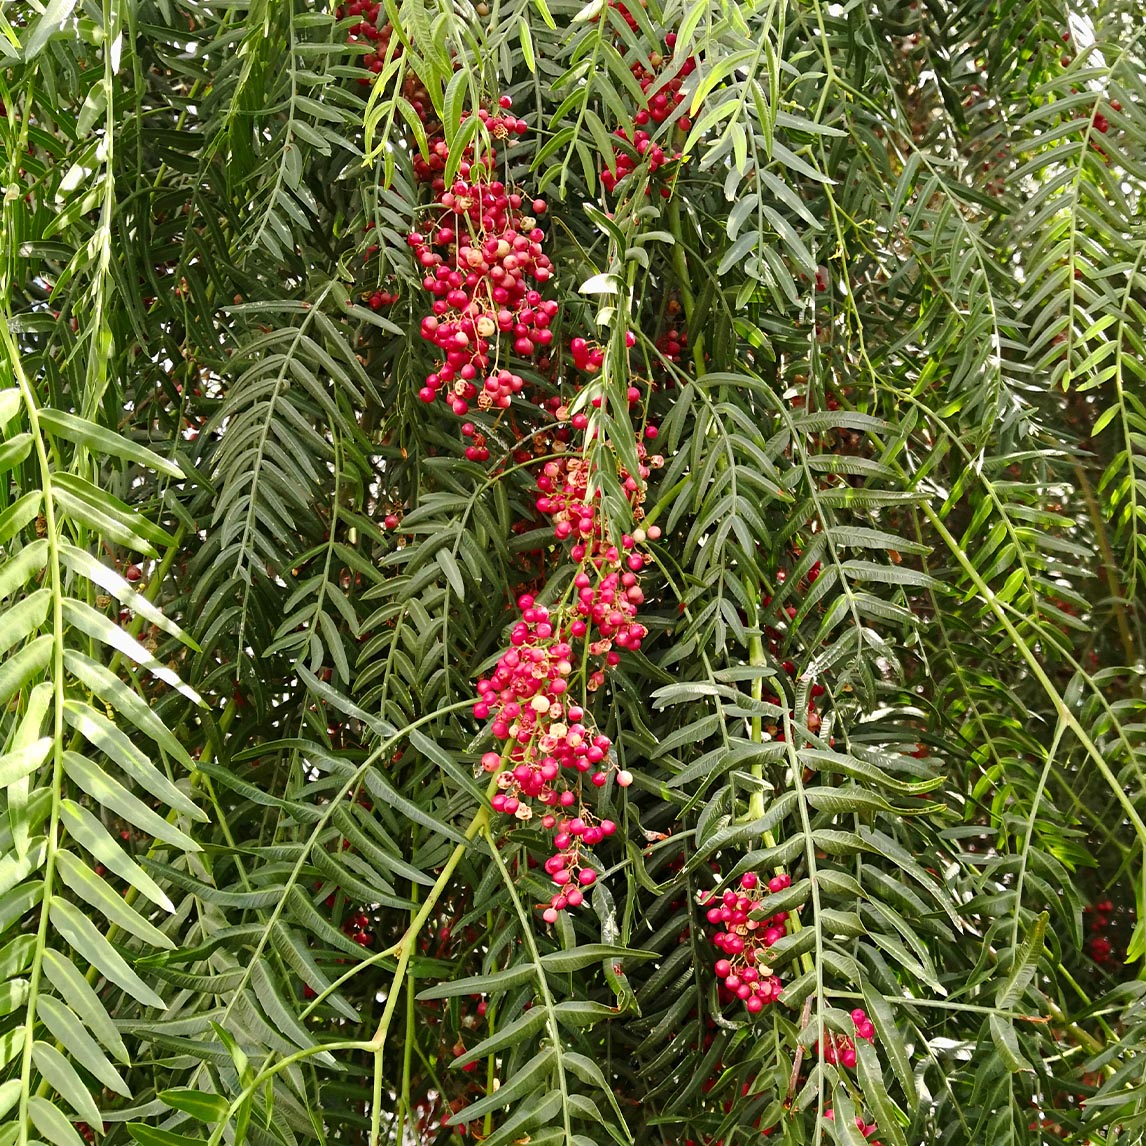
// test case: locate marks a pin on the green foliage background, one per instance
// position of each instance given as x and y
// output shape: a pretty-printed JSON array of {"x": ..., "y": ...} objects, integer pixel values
[{"x": 209, "y": 771}]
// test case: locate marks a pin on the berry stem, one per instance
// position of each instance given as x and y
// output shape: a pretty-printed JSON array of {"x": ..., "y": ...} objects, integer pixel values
[
  {"x": 404, "y": 1104},
  {"x": 756, "y": 660}
]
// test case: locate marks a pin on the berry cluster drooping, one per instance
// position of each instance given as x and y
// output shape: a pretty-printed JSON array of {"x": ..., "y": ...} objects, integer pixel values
[
  {"x": 744, "y": 971},
  {"x": 482, "y": 260},
  {"x": 550, "y": 744},
  {"x": 483, "y": 266},
  {"x": 662, "y": 100},
  {"x": 367, "y": 31}
]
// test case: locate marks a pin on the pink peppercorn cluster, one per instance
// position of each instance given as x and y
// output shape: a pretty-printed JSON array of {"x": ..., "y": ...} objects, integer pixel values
[
  {"x": 564, "y": 497},
  {"x": 378, "y": 39},
  {"x": 366, "y": 31},
  {"x": 586, "y": 357},
  {"x": 660, "y": 106},
  {"x": 666, "y": 98},
  {"x": 672, "y": 343},
  {"x": 653, "y": 154},
  {"x": 744, "y": 972},
  {"x": 839, "y": 1049},
  {"x": 482, "y": 261},
  {"x": 550, "y": 743},
  {"x": 380, "y": 298},
  {"x": 623, "y": 10},
  {"x": 480, "y": 254}
]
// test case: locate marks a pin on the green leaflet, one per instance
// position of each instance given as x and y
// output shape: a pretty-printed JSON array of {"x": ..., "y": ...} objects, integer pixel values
[
  {"x": 86, "y": 884},
  {"x": 108, "y": 792},
  {"x": 87, "y": 830},
  {"x": 109, "y": 738},
  {"x": 205, "y": 1107},
  {"x": 493, "y": 983},
  {"x": 510, "y": 1035},
  {"x": 84, "y": 1002},
  {"x": 100, "y": 440},
  {"x": 81, "y": 933},
  {"x": 62, "y": 1076},
  {"x": 521, "y": 1083},
  {"x": 97, "y": 626},
  {"x": 51, "y": 1122},
  {"x": 588, "y": 954}
]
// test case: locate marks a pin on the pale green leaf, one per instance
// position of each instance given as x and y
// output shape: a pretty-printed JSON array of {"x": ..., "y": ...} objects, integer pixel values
[
  {"x": 510, "y": 1035},
  {"x": 100, "y": 628},
  {"x": 83, "y": 1000},
  {"x": 20, "y": 620},
  {"x": 15, "y": 868},
  {"x": 9, "y": 1095},
  {"x": 525, "y": 1080},
  {"x": 16, "y": 571},
  {"x": 589, "y": 953},
  {"x": 1007, "y": 1043},
  {"x": 51, "y": 1122},
  {"x": 84, "y": 564},
  {"x": 23, "y": 761},
  {"x": 11, "y": 402},
  {"x": 14, "y": 451},
  {"x": 493, "y": 983},
  {"x": 11, "y": 1044},
  {"x": 110, "y": 793},
  {"x": 13, "y": 995},
  {"x": 107, "y": 516},
  {"x": 82, "y": 935},
  {"x": 89, "y": 833},
  {"x": 62, "y": 1076},
  {"x": 106, "y": 736},
  {"x": 205, "y": 1107},
  {"x": 17, "y": 787},
  {"x": 19, "y": 514},
  {"x": 110, "y": 689},
  {"x": 49, "y": 23},
  {"x": 88, "y": 886},
  {"x": 18, "y": 670}
]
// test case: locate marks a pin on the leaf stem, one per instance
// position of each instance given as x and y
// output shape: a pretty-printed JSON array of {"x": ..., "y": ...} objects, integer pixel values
[
  {"x": 543, "y": 983},
  {"x": 52, "y": 528},
  {"x": 404, "y": 948}
]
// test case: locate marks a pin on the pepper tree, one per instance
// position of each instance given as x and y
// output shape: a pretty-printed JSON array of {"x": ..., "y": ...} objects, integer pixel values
[{"x": 572, "y": 571}]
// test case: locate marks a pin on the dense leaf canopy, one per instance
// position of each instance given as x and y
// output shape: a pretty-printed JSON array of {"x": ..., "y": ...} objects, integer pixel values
[{"x": 494, "y": 495}]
